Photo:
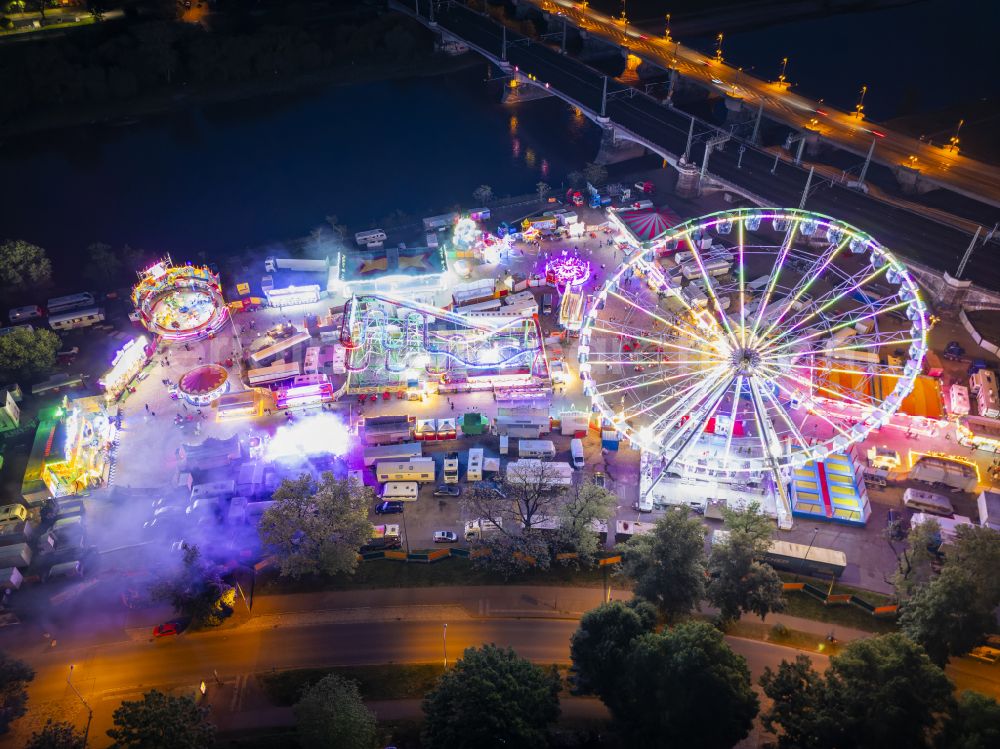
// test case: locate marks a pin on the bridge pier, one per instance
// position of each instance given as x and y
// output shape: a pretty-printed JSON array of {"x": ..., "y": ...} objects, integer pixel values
[
  {"x": 614, "y": 149},
  {"x": 688, "y": 182},
  {"x": 910, "y": 180},
  {"x": 519, "y": 89}
]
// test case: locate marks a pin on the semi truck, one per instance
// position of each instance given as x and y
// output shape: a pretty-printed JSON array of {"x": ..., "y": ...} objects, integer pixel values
[{"x": 272, "y": 264}]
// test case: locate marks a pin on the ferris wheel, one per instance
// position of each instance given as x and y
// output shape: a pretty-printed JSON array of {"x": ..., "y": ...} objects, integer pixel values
[{"x": 753, "y": 340}]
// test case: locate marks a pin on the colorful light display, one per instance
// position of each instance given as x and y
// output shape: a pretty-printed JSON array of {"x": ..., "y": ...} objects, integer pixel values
[
  {"x": 180, "y": 303},
  {"x": 567, "y": 269},
  {"x": 204, "y": 384},
  {"x": 127, "y": 363},
  {"x": 801, "y": 360}
]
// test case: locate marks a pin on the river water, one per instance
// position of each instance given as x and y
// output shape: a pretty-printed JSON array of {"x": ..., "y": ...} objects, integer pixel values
[{"x": 220, "y": 178}]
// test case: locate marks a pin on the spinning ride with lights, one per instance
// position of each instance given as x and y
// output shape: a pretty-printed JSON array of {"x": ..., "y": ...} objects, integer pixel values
[
  {"x": 753, "y": 340},
  {"x": 569, "y": 272},
  {"x": 180, "y": 303}
]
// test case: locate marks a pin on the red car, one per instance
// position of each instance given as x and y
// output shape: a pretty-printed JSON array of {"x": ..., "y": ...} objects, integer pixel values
[{"x": 167, "y": 629}]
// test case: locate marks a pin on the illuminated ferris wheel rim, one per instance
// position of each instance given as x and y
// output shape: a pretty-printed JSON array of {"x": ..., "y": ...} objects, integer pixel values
[{"x": 731, "y": 351}]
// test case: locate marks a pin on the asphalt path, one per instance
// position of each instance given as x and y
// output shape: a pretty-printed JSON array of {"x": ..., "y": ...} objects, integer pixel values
[{"x": 907, "y": 233}]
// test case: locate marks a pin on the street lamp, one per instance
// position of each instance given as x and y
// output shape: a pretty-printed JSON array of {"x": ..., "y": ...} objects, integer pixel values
[
  {"x": 444, "y": 643},
  {"x": 781, "y": 75},
  {"x": 718, "y": 47},
  {"x": 805, "y": 558},
  {"x": 953, "y": 140},
  {"x": 859, "y": 108},
  {"x": 90, "y": 712},
  {"x": 666, "y": 31}
]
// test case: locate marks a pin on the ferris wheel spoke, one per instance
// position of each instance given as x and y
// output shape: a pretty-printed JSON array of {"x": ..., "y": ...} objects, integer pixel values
[
  {"x": 743, "y": 296},
  {"x": 765, "y": 427},
  {"x": 636, "y": 382},
  {"x": 732, "y": 420},
  {"x": 786, "y": 245},
  {"x": 834, "y": 327},
  {"x": 710, "y": 290},
  {"x": 878, "y": 342},
  {"x": 815, "y": 386},
  {"x": 824, "y": 303},
  {"x": 713, "y": 409},
  {"x": 697, "y": 418},
  {"x": 803, "y": 442},
  {"x": 809, "y": 278},
  {"x": 660, "y": 319},
  {"x": 654, "y": 341},
  {"x": 813, "y": 411},
  {"x": 678, "y": 392},
  {"x": 683, "y": 398}
]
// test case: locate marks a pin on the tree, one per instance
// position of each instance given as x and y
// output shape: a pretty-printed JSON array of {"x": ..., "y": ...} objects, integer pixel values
[
  {"x": 973, "y": 724},
  {"x": 604, "y": 639},
  {"x": 740, "y": 581},
  {"x": 684, "y": 687},
  {"x": 595, "y": 174},
  {"x": 103, "y": 267},
  {"x": 197, "y": 591},
  {"x": 23, "y": 266},
  {"x": 59, "y": 735},
  {"x": 576, "y": 179},
  {"x": 586, "y": 502},
  {"x": 27, "y": 354},
  {"x": 331, "y": 713},
  {"x": 317, "y": 528},
  {"x": 511, "y": 555},
  {"x": 668, "y": 565},
  {"x": 976, "y": 549},
  {"x": 483, "y": 194},
  {"x": 517, "y": 501},
  {"x": 14, "y": 678},
  {"x": 492, "y": 697},
  {"x": 160, "y": 720},
  {"x": 914, "y": 563},
  {"x": 948, "y": 615},
  {"x": 879, "y": 692},
  {"x": 543, "y": 189}
]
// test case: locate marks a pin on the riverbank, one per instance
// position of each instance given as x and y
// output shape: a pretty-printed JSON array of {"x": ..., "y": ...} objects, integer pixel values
[{"x": 123, "y": 113}]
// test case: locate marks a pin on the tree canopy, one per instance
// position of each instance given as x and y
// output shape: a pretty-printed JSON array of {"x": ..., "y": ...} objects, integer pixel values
[
  {"x": 684, "y": 687},
  {"x": 56, "y": 735},
  {"x": 161, "y": 720},
  {"x": 27, "y": 354},
  {"x": 668, "y": 565},
  {"x": 331, "y": 713},
  {"x": 583, "y": 504},
  {"x": 23, "y": 266},
  {"x": 483, "y": 194},
  {"x": 602, "y": 642},
  {"x": 973, "y": 724},
  {"x": 196, "y": 590},
  {"x": 516, "y": 502},
  {"x": 740, "y": 581},
  {"x": 879, "y": 692},
  {"x": 317, "y": 528},
  {"x": 492, "y": 697},
  {"x": 15, "y": 676}
]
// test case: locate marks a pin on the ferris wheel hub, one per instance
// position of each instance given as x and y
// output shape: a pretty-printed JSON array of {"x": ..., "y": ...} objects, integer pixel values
[{"x": 745, "y": 361}]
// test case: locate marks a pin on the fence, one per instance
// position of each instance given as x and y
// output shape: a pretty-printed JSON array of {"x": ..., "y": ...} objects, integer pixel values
[{"x": 842, "y": 599}]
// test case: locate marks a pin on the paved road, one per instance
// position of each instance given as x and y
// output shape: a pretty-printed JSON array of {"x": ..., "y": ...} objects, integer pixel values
[
  {"x": 947, "y": 168},
  {"x": 911, "y": 235}
]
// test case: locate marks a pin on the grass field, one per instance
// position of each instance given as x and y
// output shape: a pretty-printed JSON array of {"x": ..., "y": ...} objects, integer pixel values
[{"x": 390, "y": 682}]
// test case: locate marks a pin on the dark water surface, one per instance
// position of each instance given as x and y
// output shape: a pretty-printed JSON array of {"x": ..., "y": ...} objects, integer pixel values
[{"x": 228, "y": 176}]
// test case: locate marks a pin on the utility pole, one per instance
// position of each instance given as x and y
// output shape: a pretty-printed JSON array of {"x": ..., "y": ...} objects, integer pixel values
[
  {"x": 444, "y": 641},
  {"x": 775, "y": 166},
  {"x": 739, "y": 163},
  {"x": 805, "y": 190},
  {"x": 562, "y": 47},
  {"x": 756, "y": 124},
  {"x": 432, "y": 21},
  {"x": 968, "y": 253},
  {"x": 503, "y": 48},
  {"x": 604, "y": 99},
  {"x": 802, "y": 147},
  {"x": 687, "y": 148},
  {"x": 868, "y": 160}
]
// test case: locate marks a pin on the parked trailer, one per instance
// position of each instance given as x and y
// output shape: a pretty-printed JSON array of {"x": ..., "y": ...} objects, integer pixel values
[
  {"x": 934, "y": 469},
  {"x": 927, "y": 502},
  {"x": 533, "y": 472},
  {"x": 272, "y": 264},
  {"x": 418, "y": 469},
  {"x": 474, "y": 471},
  {"x": 271, "y": 352},
  {"x": 72, "y": 301},
  {"x": 536, "y": 449},
  {"x": 15, "y": 555},
  {"x": 404, "y": 451},
  {"x": 401, "y": 491},
  {"x": 277, "y": 372},
  {"x": 79, "y": 318}
]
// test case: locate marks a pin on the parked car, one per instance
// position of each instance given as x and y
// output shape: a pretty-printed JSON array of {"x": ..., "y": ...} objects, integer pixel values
[
  {"x": 168, "y": 628},
  {"x": 953, "y": 351},
  {"x": 388, "y": 508},
  {"x": 445, "y": 537},
  {"x": 447, "y": 490}
]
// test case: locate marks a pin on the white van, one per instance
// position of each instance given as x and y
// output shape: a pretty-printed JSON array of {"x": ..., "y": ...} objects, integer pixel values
[
  {"x": 401, "y": 491},
  {"x": 20, "y": 314},
  {"x": 576, "y": 452},
  {"x": 543, "y": 449},
  {"x": 644, "y": 503},
  {"x": 474, "y": 472},
  {"x": 928, "y": 502},
  {"x": 65, "y": 571}
]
